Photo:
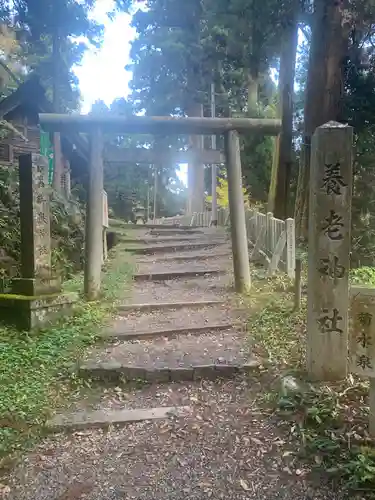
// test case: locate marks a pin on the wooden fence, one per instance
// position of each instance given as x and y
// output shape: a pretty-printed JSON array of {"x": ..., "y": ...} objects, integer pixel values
[{"x": 271, "y": 240}]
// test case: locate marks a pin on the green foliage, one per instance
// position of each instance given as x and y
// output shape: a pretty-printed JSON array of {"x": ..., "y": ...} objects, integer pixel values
[
  {"x": 35, "y": 372},
  {"x": 276, "y": 330},
  {"x": 363, "y": 276},
  {"x": 182, "y": 48},
  {"x": 68, "y": 235}
]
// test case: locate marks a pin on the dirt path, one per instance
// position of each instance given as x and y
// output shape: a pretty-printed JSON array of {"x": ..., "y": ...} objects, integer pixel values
[{"x": 225, "y": 445}]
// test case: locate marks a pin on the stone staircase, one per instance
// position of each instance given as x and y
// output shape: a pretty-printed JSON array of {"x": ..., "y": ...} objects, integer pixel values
[{"x": 180, "y": 324}]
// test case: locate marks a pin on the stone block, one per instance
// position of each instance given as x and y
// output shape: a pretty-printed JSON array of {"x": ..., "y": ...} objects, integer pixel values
[
  {"x": 105, "y": 418},
  {"x": 226, "y": 371},
  {"x": 28, "y": 313},
  {"x": 35, "y": 287},
  {"x": 160, "y": 375},
  {"x": 205, "y": 372},
  {"x": 134, "y": 372},
  {"x": 182, "y": 374}
]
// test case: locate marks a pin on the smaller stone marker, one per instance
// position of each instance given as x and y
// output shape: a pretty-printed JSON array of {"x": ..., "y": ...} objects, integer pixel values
[
  {"x": 362, "y": 340},
  {"x": 362, "y": 331},
  {"x": 35, "y": 298},
  {"x": 329, "y": 249},
  {"x": 35, "y": 228}
]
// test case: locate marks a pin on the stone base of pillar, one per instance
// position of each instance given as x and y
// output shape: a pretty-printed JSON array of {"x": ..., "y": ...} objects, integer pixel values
[
  {"x": 33, "y": 287},
  {"x": 28, "y": 313}
]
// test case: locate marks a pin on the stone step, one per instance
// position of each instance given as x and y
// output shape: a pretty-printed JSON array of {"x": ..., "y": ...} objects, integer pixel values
[
  {"x": 154, "y": 265},
  {"x": 157, "y": 239},
  {"x": 174, "y": 274},
  {"x": 185, "y": 256},
  {"x": 148, "y": 250},
  {"x": 185, "y": 357},
  {"x": 171, "y": 232},
  {"x": 154, "y": 306},
  {"x": 114, "y": 224},
  {"x": 105, "y": 418},
  {"x": 168, "y": 332},
  {"x": 184, "y": 319},
  {"x": 115, "y": 371},
  {"x": 202, "y": 287}
]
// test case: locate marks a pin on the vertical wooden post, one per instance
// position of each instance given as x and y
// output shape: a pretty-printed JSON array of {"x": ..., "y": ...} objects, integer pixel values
[
  {"x": 155, "y": 189},
  {"x": 270, "y": 242},
  {"x": 290, "y": 247},
  {"x": 105, "y": 247},
  {"x": 240, "y": 251},
  {"x": 213, "y": 166},
  {"x": 329, "y": 248},
  {"x": 94, "y": 218},
  {"x": 298, "y": 285}
]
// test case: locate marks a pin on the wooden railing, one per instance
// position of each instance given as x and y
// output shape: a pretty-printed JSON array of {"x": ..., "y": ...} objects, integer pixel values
[{"x": 271, "y": 240}]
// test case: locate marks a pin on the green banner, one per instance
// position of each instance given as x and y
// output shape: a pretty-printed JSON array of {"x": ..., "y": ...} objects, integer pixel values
[{"x": 46, "y": 149}]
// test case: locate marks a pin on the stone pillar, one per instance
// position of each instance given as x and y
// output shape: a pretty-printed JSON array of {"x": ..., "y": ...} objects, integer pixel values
[
  {"x": 35, "y": 229},
  {"x": 237, "y": 213},
  {"x": 329, "y": 249},
  {"x": 94, "y": 219}
]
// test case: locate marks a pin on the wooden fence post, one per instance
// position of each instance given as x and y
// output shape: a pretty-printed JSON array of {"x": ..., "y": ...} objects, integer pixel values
[
  {"x": 94, "y": 219},
  {"x": 290, "y": 247},
  {"x": 329, "y": 248},
  {"x": 237, "y": 213},
  {"x": 270, "y": 245},
  {"x": 298, "y": 285}
]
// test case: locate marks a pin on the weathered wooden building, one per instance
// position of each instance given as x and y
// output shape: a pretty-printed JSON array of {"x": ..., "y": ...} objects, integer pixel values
[{"x": 20, "y": 110}]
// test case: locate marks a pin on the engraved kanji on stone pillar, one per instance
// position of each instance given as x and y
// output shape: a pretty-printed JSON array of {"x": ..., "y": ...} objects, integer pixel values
[
  {"x": 329, "y": 250},
  {"x": 35, "y": 228}
]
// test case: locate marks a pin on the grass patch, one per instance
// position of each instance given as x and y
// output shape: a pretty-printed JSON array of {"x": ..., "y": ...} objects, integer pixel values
[
  {"x": 328, "y": 421},
  {"x": 35, "y": 375}
]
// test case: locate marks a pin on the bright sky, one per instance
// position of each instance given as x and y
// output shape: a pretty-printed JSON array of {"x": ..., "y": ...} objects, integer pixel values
[{"x": 102, "y": 74}]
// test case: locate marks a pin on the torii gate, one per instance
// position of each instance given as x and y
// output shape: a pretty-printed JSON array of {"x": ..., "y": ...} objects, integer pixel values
[{"x": 161, "y": 125}]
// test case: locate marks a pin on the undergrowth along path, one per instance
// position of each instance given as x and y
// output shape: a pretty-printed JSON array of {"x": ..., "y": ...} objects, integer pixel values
[{"x": 35, "y": 376}]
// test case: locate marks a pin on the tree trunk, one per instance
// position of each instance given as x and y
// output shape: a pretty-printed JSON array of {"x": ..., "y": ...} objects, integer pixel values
[
  {"x": 196, "y": 169},
  {"x": 324, "y": 89},
  {"x": 286, "y": 90},
  {"x": 58, "y": 167},
  {"x": 253, "y": 94}
]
